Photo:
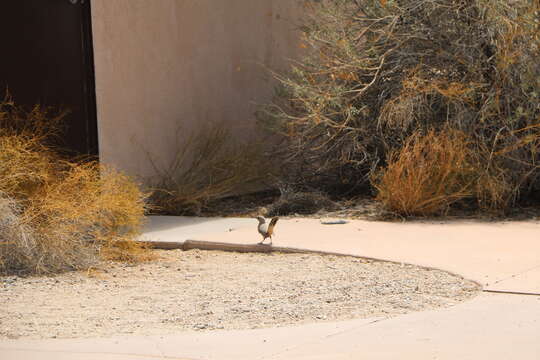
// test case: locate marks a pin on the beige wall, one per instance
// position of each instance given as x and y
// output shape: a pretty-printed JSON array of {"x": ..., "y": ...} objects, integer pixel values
[{"x": 165, "y": 64}]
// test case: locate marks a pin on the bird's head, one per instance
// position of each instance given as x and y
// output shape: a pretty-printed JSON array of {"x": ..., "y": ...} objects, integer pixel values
[{"x": 261, "y": 219}]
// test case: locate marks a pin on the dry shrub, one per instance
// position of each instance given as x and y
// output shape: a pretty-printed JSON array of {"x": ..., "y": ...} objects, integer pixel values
[
  {"x": 17, "y": 240},
  {"x": 59, "y": 214},
  {"x": 25, "y": 166},
  {"x": 41, "y": 124},
  {"x": 495, "y": 192},
  {"x": 86, "y": 214},
  {"x": 434, "y": 171},
  {"x": 292, "y": 202},
  {"x": 377, "y": 72},
  {"x": 93, "y": 205},
  {"x": 430, "y": 173},
  {"x": 208, "y": 166}
]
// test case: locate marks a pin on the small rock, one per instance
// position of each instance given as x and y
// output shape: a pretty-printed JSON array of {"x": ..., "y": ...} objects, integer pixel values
[{"x": 334, "y": 221}]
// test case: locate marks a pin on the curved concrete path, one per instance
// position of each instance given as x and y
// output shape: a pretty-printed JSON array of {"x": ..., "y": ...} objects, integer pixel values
[{"x": 503, "y": 324}]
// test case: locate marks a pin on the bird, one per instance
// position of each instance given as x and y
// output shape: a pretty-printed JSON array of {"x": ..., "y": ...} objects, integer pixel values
[{"x": 266, "y": 229}]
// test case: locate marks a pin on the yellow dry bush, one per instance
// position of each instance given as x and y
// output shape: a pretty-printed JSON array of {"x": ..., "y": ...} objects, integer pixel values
[
  {"x": 90, "y": 206},
  {"x": 41, "y": 124},
  {"x": 436, "y": 170},
  {"x": 25, "y": 165},
  {"x": 428, "y": 174},
  {"x": 121, "y": 212},
  {"x": 58, "y": 214}
]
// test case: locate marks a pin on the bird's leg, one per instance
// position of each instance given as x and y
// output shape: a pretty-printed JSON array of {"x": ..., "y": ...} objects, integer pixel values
[{"x": 262, "y": 242}]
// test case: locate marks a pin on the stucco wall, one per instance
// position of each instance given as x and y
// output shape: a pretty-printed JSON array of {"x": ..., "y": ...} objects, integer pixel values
[{"x": 164, "y": 65}]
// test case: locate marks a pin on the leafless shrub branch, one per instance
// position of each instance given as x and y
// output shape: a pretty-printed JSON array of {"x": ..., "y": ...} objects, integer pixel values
[{"x": 208, "y": 165}]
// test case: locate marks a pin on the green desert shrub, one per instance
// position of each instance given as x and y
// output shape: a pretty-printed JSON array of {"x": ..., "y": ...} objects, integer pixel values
[{"x": 376, "y": 72}]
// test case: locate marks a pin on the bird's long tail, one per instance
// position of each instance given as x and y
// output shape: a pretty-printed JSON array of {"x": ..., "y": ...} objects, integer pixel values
[{"x": 272, "y": 224}]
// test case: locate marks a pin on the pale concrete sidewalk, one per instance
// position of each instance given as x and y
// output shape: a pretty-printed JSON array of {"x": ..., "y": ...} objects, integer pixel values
[{"x": 501, "y": 256}]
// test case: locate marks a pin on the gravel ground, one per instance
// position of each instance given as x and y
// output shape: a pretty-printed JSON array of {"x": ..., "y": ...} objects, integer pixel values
[{"x": 204, "y": 290}]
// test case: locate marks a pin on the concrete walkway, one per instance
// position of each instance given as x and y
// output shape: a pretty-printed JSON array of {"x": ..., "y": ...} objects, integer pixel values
[{"x": 503, "y": 257}]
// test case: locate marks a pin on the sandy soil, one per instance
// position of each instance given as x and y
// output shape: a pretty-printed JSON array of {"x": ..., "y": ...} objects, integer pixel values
[{"x": 198, "y": 290}]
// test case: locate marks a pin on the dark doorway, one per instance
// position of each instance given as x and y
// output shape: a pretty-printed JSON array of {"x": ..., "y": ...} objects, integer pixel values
[{"x": 47, "y": 59}]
